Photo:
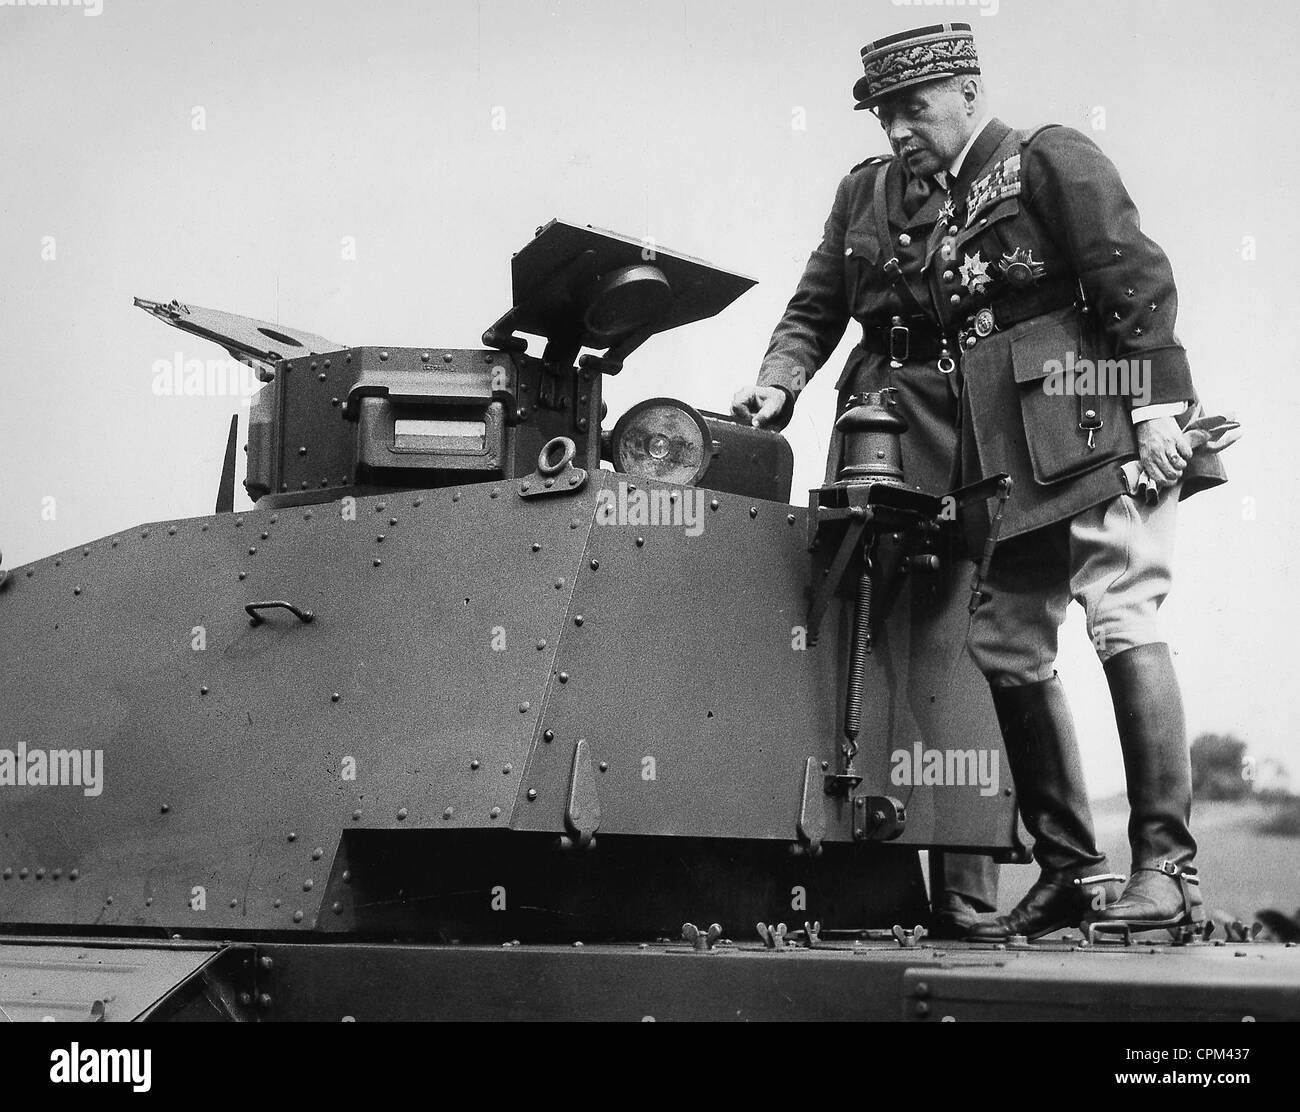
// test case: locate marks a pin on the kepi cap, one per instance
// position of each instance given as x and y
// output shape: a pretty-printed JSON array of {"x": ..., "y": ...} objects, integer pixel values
[{"x": 915, "y": 58}]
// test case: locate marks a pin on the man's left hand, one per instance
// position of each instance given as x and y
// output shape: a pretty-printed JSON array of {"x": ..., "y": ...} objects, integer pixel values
[{"x": 1164, "y": 450}]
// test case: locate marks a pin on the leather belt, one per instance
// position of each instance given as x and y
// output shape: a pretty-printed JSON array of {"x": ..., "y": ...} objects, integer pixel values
[
  {"x": 905, "y": 342},
  {"x": 1005, "y": 312}
]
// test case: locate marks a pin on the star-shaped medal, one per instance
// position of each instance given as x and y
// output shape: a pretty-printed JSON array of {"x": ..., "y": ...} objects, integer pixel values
[
  {"x": 949, "y": 211},
  {"x": 974, "y": 273}
]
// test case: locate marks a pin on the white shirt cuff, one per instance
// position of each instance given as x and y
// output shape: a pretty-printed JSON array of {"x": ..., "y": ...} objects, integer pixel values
[{"x": 1151, "y": 412}]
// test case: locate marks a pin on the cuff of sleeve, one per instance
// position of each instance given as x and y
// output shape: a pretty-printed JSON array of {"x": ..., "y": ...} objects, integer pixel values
[
  {"x": 1152, "y": 412},
  {"x": 1169, "y": 377}
]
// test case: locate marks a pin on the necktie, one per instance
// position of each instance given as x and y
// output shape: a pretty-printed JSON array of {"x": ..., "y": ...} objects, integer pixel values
[{"x": 915, "y": 195}]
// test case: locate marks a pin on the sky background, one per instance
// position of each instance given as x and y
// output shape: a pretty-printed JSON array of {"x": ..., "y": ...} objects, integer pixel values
[{"x": 718, "y": 127}]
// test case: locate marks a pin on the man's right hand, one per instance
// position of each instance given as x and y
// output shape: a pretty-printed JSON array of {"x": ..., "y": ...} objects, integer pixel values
[{"x": 759, "y": 405}]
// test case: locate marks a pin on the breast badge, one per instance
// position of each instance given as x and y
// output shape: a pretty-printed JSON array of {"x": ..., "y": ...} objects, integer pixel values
[
  {"x": 975, "y": 273},
  {"x": 1020, "y": 268}
]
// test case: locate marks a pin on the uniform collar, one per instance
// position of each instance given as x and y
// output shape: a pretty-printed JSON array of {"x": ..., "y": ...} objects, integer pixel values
[{"x": 955, "y": 169}]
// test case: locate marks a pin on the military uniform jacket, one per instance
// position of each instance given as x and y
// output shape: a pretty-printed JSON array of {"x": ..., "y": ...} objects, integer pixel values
[{"x": 1034, "y": 269}]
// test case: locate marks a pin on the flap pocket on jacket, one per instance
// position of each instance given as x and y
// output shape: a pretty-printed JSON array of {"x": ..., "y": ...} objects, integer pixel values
[
  {"x": 990, "y": 216},
  {"x": 1051, "y": 405}
]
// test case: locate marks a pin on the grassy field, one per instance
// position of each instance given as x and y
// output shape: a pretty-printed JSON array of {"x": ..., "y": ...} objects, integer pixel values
[{"x": 1242, "y": 870}]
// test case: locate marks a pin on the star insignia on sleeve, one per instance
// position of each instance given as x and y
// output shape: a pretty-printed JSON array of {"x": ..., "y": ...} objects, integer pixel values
[{"x": 974, "y": 273}]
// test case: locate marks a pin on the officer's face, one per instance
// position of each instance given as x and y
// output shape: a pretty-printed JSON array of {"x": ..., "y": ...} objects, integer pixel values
[{"x": 927, "y": 125}]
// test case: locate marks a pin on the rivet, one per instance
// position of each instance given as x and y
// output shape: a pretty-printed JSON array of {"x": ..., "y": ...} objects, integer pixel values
[
  {"x": 922, "y": 1008},
  {"x": 548, "y": 483},
  {"x": 532, "y": 794},
  {"x": 380, "y": 507},
  {"x": 55, "y": 874},
  {"x": 59, "y": 563},
  {"x": 265, "y": 535},
  {"x": 541, "y": 644},
  {"x": 448, "y": 813},
  {"x": 424, "y": 357},
  {"x": 447, "y": 357},
  {"x": 495, "y": 813},
  {"x": 473, "y": 764},
  {"x": 277, "y": 903},
  {"x": 297, "y": 918},
  {"x": 243, "y": 575},
  {"x": 143, "y": 533},
  {"x": 713, "y": 505},
  {"x": 379, "y": 539},
  {"x": 559, "y": 583},
  {"x": 356, "y": 816},
  {"x": 321, "y": 377},
  {"x": 401, "y": 814},
  {"x": 317, "y": 853},
  {"x": 548, "y": 735},
  {"x": 112, "y": 545},
  {"x": 308, "y": 885},
  {"x": 73, "y": 874},
  {"x": 604, "y": 766},
  {"x": 523, "y": 707},
  {"x": 789, "y": 518},
  {"x": 234, "y": 903},
  {"x": 418, "y": 503},
  {"x": 335, "y": 697},
  {"x": 456, "y": 497},
  {"x": 922, "y": 989},
  {"x": 383, "y": 356},
  {"x": 564, "y": 677},
  {"x": 302, "y": 449},
  {"x": 506, "y": 769},
  {"x": 536, "y": 547},
  {"x": 22, "y": 873},
  {"x": 577, "y": 619},
  {"x": 640, "y": 542},
  {"x": 307, "y": 516},
  {"x": 108, "y": 900},
  {"x": 292, "y": 836},
  {"x": 334, "y": 402},
  {"x": 171, "y": 532},
  {"x": 577, "y": 945},
  {"x": 595, "y": 564},
  {"x": 494, "y": 493},
  {"x": 252, "y": 551},
  {"x": 165, "y": 808},
  {"x": 76, "y": 590},
  {"x": 40, "y": 872},
  {"x": 148, "y": 902},
  {"x": 203, "y": 690},
  {"x": 347, "y": 876},
  {"x": 392, "y": 521},
  {"x": 378, "y": 563},
  {"x": 7, "y": 874},
  {"x": 337, "y": 908}
]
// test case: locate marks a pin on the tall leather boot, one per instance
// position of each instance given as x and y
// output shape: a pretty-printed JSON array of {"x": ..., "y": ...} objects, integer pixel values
[
  {"x": 964, "y": 888},
  {"x": 1163, "y": 892},
  {"x": 1038, "y": 733}
]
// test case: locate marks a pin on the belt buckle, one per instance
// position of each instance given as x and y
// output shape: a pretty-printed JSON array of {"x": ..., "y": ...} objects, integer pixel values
[{"x": 899, "y": 334}]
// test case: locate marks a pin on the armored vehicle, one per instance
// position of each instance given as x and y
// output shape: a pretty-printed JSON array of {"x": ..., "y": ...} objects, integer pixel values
[{"x": 485, "y": 710}]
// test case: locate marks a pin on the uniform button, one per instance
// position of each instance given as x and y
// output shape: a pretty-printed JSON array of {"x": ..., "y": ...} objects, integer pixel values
[
  {"x": 952, "y": 230},
  {"x": 948, "y": 276},
  {"x": 848, "y": 251},
  {"x": 904, "y": 240},
  {"x": 955, "y": 299}
]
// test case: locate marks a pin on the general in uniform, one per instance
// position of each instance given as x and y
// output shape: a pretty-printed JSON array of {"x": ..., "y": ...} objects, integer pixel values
[{"x": 1007, "y": 294}]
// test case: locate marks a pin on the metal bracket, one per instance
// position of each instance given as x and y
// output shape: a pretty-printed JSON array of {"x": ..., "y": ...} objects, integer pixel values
[
  {"x": 555, "y": 472},
  {"x": 878, "y": 818},
  {"x": 582, "y": 810},
  {"x": 825, "y": 590},
  {"x": 811, "y": 825},
  {"x": 703, "y": 941}
]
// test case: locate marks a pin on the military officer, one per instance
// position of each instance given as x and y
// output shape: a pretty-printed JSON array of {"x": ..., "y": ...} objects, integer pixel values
[{"x": 996, "y": 275}]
